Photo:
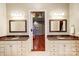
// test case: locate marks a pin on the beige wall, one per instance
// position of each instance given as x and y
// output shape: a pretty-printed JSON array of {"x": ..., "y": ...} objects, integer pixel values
[
  {"x": 49, "y": 8},
  {"x": 3, "y": 20},
  {"x": 74, "y": 17}
]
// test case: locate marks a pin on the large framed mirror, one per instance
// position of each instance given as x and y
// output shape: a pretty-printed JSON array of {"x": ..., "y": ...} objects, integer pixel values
[
  {"x": 17, "y": 26},
  {"x": 59, "y": 25}
]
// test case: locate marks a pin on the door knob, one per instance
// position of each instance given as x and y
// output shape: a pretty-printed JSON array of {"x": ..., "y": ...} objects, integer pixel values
[{"x": 31, "y": 30}]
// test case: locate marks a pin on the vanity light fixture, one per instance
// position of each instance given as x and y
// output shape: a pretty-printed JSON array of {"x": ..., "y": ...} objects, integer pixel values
[
  {"x": 17, "y": 15},
  {"x": 59, "y": 14}
]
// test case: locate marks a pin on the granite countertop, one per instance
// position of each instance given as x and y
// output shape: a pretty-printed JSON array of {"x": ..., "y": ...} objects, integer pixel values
[
  {"x": 58, "y": 37},
  {"x": 14, "y": 38}
]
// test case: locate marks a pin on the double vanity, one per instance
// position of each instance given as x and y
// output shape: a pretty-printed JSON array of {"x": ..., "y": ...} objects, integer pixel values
[
  {"x": 66, "y": 45},
  {"x": 57, "y": 45}
]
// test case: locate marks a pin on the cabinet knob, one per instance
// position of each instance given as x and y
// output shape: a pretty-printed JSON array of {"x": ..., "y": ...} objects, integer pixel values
[
  {"x": 10, "y": 45},
  {"x": 64, "y": 45}
]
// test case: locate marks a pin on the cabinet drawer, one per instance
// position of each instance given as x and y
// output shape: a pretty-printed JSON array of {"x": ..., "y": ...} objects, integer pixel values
[
  {"x": 54, "y": 53},
  {"x": 2, "y": 42},
  {"x": 77, "y": 41},
  {"x": 77, "y": 45},
  {"x": 19, "y": 52},
  {"x": 77, "y": 53},
  {"x": 54, "y": 47},
  {"x": 70, "y": 53},
  {"x": 11, "y": 43}
]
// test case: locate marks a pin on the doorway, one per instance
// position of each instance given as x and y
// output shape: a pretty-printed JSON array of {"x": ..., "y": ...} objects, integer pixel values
[{"x": 38, "y": 31}]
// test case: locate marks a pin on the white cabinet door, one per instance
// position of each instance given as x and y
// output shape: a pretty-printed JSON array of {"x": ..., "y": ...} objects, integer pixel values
[
  {"x": 8, "y": 51},
  {"x": 2, "y": 50},
  {"x": 24, "y": 47},
  {"x": 11, "y": 48},
  {"x": 14, "y": 50},
  {"x": 19, "y": 48},
  {"x": 61, "y": 49}
]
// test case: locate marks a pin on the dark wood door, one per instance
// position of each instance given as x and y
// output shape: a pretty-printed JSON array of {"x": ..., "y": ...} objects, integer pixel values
[
  {"x": 39, "y": 43},
  {"x": 39, "y": 37}
]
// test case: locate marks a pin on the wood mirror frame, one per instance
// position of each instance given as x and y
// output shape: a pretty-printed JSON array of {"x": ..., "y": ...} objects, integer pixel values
[
  {"x": 19, "y": 31},
  {"x": 59, "y": 25}
]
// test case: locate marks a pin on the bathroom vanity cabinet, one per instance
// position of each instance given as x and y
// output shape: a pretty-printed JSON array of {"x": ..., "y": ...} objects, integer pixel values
[
  {"x": 63, "y": 47},
  {"x": 55, "y": 47},
  {"x": 15, "y": 48}
]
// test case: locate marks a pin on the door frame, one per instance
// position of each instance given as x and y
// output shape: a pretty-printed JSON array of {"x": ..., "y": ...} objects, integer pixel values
[{"x": 31, "y": 26}]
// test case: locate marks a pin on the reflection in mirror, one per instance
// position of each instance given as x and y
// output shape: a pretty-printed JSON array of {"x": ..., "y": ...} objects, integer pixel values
[
  {"x": 57, "y": 25},
  {"x": 17, "y": 26}
]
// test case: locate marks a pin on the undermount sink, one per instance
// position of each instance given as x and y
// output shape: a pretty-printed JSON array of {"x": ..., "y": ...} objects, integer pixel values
[
  {"x": 13, "y": 38},
  {"x": 63, "y": 38}
]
